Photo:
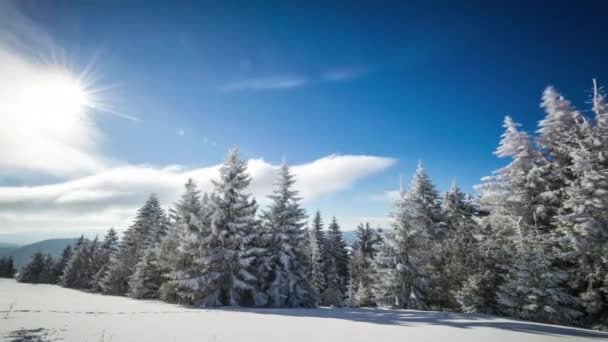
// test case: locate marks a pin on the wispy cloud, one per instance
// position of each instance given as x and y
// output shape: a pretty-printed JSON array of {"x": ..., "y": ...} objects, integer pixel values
[
  {"x": 292, "y": 82},
  {"x": 276, "y": 83},
  {"x": 344, "y": 74},
  {"x": 110, "y": 197}
]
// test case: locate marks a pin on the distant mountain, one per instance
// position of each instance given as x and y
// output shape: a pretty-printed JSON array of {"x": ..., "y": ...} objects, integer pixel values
[{"x": 22, "y": 254}]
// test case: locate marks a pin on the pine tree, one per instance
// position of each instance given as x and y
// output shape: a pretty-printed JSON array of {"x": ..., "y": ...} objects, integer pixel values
[
  {"x": 316, "y": 242},
  {"x": 285, "y": 221},
  {"x": 148, "y": 228},
  {"x": 225, "y": 279},
  {"x": 365, "y": 248},
  {"x": 336, "y": 260},
  {"x": 78, "y": 271},
  {"x": 583, "y": 220},
  {"x": 7, "y": 268},
  {"x": 38, "y": 270},
  {"x": 533, "y": 289},
  {"x": 316, "y": 277},
  {"x": 187, "y": 235},
  {"x": 101, "y": 261},
  {"x": 60, "y": 265},
  {"x": 403, "y": 258},
  {"x": 455, "y": 256},
  {"x": 145, "y": 282}
]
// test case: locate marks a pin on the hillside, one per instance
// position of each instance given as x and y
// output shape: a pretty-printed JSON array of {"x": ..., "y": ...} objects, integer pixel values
[
  {"x": 22, "y": 254},
  {"x": 53, "y": 313}
]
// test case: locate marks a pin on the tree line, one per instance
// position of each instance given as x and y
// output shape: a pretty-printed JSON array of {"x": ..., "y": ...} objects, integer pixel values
[{"x": 532, "y": 245}]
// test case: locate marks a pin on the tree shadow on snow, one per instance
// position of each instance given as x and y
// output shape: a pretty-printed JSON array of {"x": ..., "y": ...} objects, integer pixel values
[{"x": 414, "y": 317}]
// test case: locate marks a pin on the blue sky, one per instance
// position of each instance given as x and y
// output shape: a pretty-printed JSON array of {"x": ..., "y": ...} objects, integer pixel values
[{"x": 399, "y": 80}]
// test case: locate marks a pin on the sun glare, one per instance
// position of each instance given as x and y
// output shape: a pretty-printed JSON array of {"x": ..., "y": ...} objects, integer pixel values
[{"x": 56, "y": 94}]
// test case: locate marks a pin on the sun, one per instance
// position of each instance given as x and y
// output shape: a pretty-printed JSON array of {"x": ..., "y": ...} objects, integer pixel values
[{"x": 56, "y": 94}]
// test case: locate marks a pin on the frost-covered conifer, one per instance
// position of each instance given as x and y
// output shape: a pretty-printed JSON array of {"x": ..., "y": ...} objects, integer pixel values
[
  {"x": 336, "y": 262},
  {"x": 533, "y": 288},
  {"x": 102, "y": 258},
  {"x": 365, "y": 248},
  {"x": 225, "y": 279},
  {"x": 145, "y": 282},
  {"x": 401, "y": 262},
  {"x": 149, "y": 226},
  {"x": 285, "y": 220}
]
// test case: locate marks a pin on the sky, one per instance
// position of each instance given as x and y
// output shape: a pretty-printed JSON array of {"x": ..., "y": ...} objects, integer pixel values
[{"x": 104, "y": 102}]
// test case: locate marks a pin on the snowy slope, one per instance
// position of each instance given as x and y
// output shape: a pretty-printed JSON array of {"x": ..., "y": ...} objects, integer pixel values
[{"x": 55, "y": 313}]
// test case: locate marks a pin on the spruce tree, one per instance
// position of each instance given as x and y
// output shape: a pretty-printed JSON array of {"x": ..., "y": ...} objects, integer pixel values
[
  {"x": 37, "y": 271},
  {"x": 365, "y": 248},
  {"x": 7, "y": 267},
  {"x": 285, "y": 220},
  {"x": 181, "y": 265},
  {"x": 533, "y": 288},
  {"x": 60, "y": 265},
  {"x": 145, "y": 282},
  {"x": 455, "y": 257},
  {"x": 403, "y": 258},
  {"x": 101, "y": 261},
  {"x": 224, "y": 264},
  {"x": 316, "y": 243},
  {"x": 336, "y": 260},
  {"x": 78, "y": 271}
]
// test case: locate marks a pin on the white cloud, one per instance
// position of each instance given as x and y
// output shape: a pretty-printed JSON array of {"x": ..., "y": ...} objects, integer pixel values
[
  {"x": 110, "y": 197},
  {"x": 285, "y": 82}
]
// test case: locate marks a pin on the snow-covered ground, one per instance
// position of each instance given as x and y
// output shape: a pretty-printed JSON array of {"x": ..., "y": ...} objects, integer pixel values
[{"x": 57, "y": 314}]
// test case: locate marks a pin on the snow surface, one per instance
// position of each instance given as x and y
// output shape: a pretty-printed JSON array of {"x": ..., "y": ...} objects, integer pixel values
[{"x": 58, "y": 314}]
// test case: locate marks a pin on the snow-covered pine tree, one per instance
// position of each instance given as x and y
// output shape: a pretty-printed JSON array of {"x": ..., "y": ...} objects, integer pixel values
[
  {"x": 60, "y": 265},
  {"x": 336, "y": 262},
  {"x": 285, "y": 220},
  {"x": 78, "y": 272},
  {"x": 515, "y": 188},
  {"x": 514, "y": 192},
  {"x": 316, "y": 279},
  {"x": 316, "y": 241},
  {"x": 182, "y": 264},
  {"x": 583, "y": 220},
  {"x": 403, "y": 258},
  {"x": 455, "y": 257},
  {"x": 533, "y": 289},
  {"x": 101, "y": 261},
  {"x": 145, "y": 282},
  {"x": 365, "y": 248},
  {"x": 225, "y": 279},
  {"x": 424, "y": 193},
  {"x": 149, "y": 226}
]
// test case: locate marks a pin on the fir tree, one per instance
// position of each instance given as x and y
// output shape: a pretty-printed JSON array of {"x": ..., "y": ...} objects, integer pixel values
[
  {"x": 224, "y": 278},
  {"x": 145, "y": 282},
  {"x": 78, "y": 271},
  {"x": 7, "y": 268},
  {"x": 101, "y": 260},
  {"x": 186, "y": 237},
  {"x": 284, "y": 218},
  {"x": 38, "y": 270},
  {"x": 336, "y": 260},
  {"x": 402, "y": 261},
  {"x": 365, "y": 248},
  {"x": 60, "y": 265},
  {"x": 148, "y": 228},
  {"x": 533, "y": 289}
]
